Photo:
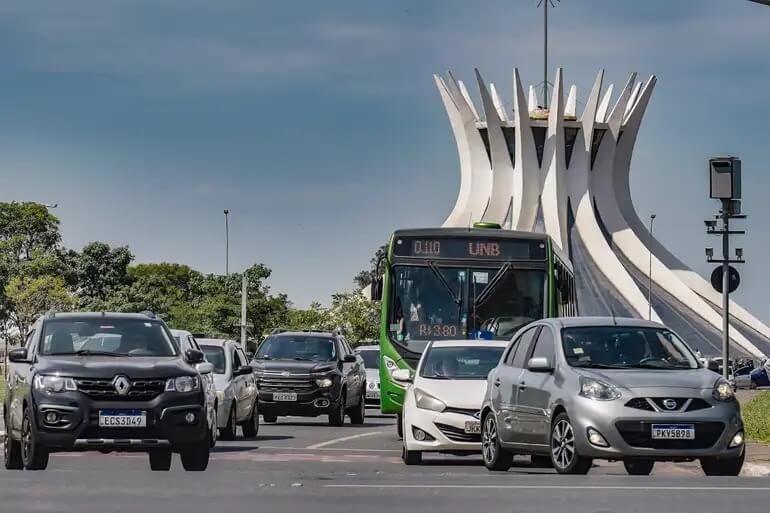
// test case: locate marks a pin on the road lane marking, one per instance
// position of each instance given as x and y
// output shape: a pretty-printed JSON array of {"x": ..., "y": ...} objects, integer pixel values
[
  {"x": 563, "y": 487},
  {"x": 276, "y": 447},
  {"x": 344, "y": 439}
]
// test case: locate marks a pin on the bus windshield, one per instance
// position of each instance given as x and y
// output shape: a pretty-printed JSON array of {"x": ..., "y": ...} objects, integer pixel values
[{"x": 434, "y": 303}]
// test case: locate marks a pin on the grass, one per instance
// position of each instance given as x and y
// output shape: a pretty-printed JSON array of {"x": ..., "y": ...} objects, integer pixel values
[{"x": 756, "y": 418}]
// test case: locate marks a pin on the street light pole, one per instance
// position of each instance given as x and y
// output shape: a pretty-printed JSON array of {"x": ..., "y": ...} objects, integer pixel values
[
  {"x": 649, "y": 272},
  {"x": 227, "y": 242}
]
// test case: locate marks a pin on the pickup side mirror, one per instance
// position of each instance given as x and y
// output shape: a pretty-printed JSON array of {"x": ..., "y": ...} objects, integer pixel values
[
  {"x": 350, "y": 358},
  {"x": 194, "y": 356},
  {"x": 243, "y": 370},
  {"x": 402, "y": 375},
  {"x": 539, "y": 364},
  {"x": 205, "y": 368},
  {"x": 18, "y": 355}
]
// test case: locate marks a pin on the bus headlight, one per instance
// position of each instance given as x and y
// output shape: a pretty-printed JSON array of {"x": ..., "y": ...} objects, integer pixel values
[{"x": 390, "y": 365}]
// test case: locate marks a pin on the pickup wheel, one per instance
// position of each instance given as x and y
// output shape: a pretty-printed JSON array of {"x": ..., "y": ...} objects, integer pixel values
[
  {"x": 270, "y": 418},
  {"x": 337, "y": 414},
  {"x": 230, "y": 431},
  {"x": 251, "y": 426},
  {"x": 160, "y": 459},
  {"x": 358, "y": 414},
  {"x": 12, "y": 452},
  {"x": 196, "y": 457},
  {"x": 34, "y": 455}
]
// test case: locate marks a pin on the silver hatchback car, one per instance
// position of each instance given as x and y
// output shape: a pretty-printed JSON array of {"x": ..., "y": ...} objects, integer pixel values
[{"x": 568, "y": 391}]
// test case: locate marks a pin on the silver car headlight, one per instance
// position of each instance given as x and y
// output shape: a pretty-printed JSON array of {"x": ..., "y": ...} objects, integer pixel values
[
  {"x": 54, "y": 384},
  {"x": 426, "y": 401},
  {"x": 598, "y": 390},
  {"x": 182, "y": 384},
  {"x": 723, "y": 391}
]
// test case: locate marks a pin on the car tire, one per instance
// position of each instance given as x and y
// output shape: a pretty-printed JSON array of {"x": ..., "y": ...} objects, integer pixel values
[
  {"x": 12, "y": 453},
  {"x": 540, "y": 461},
  {"x": 195, "y": 458},
  {"x": 214, "y": 430},
  {"x": 400, "y": 426},
  {"x": 251, "y": 427},
  {"x": 639, "y": 467},
  {"x": 270, "y": 419},
  {"x": 229, "y": 432},
  {"x": 337, "y": 414},
  {"x": 564, "y": 454},
  {"x": 411, "y": 457},
  {"x": 358, "y": 414},
  {"x": 496, "y": 457},
  {"x": 34, "y": 455},
  {"x": 160, "y": 460},
  {"x": 753, "y": 385},
  {"x": 722, "y": 466}
]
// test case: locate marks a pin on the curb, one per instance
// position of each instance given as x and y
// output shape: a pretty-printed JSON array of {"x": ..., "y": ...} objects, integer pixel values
[{"x": 756, "y": 469}]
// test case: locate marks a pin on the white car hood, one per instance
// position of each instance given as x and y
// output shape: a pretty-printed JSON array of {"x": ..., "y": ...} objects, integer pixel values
[{"x": 457, "y": 393}]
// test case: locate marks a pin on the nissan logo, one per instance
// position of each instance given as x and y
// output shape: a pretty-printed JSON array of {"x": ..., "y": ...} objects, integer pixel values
[{"x": 669, "y": 404}]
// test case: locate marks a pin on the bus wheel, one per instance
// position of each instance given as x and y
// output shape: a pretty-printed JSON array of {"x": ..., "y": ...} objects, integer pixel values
[{"x": 400, "y": 425}]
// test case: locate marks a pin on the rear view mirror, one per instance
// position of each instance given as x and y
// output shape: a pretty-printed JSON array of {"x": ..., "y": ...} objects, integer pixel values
[
  {"x": 18, "y": 355},
  {"x": 539, "y": 364},
  {"x": 194, "y": 356},
  {"x": 205, "y": 368},
  {"x": 244, "y": 370},
  {"x": 402, "y": 375},
  {"x": 350, "y": 358}
]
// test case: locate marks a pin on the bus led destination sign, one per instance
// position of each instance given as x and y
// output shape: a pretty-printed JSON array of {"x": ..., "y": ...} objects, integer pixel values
[{"x": 458, "y": 248}]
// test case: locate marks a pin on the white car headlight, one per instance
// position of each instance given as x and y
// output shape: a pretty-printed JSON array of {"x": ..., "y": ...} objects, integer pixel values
[
  {"x": 598, "y": 390},
  {"x": 723, "y": 391},
  {"x": 182, "y": 384},
  {"x": 427, "y": 402},
  {"x": 54, "y": 384}
]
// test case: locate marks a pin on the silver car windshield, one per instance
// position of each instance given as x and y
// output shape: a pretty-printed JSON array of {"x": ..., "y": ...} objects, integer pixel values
[{"x": 624, "y": 347}]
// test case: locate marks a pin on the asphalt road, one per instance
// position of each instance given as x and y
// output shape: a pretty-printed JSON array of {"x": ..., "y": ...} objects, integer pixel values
[{"x": 303, "y": 465}]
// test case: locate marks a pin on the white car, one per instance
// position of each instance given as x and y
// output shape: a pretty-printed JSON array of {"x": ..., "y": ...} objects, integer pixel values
[
  {"x": 371, "y": 357},
  {"x": 443, "y": 398}
]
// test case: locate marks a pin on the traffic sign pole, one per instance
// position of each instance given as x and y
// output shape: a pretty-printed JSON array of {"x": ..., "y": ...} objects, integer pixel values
[{"x": 726, "y": 290}]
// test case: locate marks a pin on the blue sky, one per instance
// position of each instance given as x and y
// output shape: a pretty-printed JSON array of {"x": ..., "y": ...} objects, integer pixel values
[{"x": 318, "y": 125}]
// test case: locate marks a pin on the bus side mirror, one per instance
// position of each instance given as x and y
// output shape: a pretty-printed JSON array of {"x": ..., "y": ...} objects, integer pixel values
[{"x": 376, "y": 289}]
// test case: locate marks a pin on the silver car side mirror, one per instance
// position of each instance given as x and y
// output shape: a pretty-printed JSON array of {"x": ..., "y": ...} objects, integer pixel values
[{"x": 539, "y": 364}]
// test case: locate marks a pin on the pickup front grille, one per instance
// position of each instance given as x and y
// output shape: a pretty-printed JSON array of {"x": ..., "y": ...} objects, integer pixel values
[
  {"x": 279, "y": 383},
  {"x": 103, "y": 389}
]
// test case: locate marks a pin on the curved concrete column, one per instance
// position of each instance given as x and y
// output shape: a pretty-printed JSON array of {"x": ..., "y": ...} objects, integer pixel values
[
  {"x": 601, "y": 114},
  {"x": 526, "y": 176},
  {"x": 502, "y": 166},
  {"x": 554, "y": 194},
  {"x": 498, "y": 103}
]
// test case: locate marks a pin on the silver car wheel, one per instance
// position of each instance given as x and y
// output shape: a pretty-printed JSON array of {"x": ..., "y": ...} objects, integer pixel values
[
  {"x": 489, "y": 439},
  {"x": 563, "y": 444}
]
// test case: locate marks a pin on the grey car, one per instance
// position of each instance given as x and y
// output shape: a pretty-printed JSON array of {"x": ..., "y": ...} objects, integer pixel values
[{"x": 568, "y": 391}]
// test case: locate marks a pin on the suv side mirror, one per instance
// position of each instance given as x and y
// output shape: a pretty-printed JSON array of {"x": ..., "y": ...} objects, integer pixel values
[
  {"x": 243, "y": 370},
  {"x": 18, "y": 355},
  {"x": 205, "y": 368},
  {"x": 350, "y": 358},
  {"x": 194, "y": 356},
  {"x": 376, "y": 289},
  {"x": 539, "y": 364}
]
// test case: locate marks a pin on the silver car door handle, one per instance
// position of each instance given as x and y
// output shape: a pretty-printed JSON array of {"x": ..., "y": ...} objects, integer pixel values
[{"x": 522, "y": 385}]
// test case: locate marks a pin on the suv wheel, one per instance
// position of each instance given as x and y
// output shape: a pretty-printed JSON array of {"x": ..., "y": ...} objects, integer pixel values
[
  {"x": 251, "y": 427},
  {"x": 214, "y": 429},
  {"x": 196, "y": 457},
  {"x": 722, "y": 466},
  {"x": 230, "y": 431},
  {"x": 33, "y": 455},
  {"x": 12, "y": 452},
  {"x": 496, "y": 458},
  {"x": 358, "y": 414},
  {"x": 270, "y": 418},
  {"x": 639, "y": 467},
  {"x": 563, "y": 448},
  {"x": 160, "y": 459},
  {"x": 337, "y": 414}
]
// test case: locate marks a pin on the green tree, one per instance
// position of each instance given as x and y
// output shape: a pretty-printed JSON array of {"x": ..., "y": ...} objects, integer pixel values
[
  {"x": 101, "y": 271},
  {"x": 32, "y": 297},
  {"x": 356, "y": 315},
  {"x": 316, "y": 317},
  {"x": 364, "y": 278}
]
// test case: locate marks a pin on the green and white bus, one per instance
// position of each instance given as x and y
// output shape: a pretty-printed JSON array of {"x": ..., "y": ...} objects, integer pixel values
[{"x": 463, "y": 283}]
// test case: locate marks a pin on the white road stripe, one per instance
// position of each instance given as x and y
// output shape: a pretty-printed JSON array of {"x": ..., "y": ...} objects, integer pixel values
[
  {"x": 344, "y": 439},
  {"x": 558, "y": 487},
  {"x": 275, "y": 447}
]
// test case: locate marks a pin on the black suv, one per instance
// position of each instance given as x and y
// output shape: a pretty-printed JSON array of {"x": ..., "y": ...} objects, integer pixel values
[
  {"x": 308, "y": 374},
  {"x": 105, "y": 382}
]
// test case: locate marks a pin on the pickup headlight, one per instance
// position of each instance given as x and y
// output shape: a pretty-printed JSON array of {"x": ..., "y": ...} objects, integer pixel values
[
  {"x": 723, "y": 391},
  {"x": 182, "y": 384},
  {"x": 54, "y": 384},
  {"x": 324, "y": 383},
  {"x": 427, "y": 402},
  {"x": 598, "y": 390}
]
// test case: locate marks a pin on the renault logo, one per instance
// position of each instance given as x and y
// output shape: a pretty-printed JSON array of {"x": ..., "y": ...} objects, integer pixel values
[
  {"x": 122, "y": 385},
  {"x": 669, "y": 404}
]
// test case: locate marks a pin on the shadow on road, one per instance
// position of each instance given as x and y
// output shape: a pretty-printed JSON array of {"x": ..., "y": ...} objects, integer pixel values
[
  {"x": 268, "y": 438},
  {"x": 320, "y": 425}
]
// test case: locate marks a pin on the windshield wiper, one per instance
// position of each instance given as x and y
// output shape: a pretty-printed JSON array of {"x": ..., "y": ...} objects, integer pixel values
[
  {"x": 492, "y": 284},
  {"x": 263, "y": 357},
  {"x": 88, "y": 352},
  {"x": 437, "y": 376},
  {"x": 437, "y": 272},
  {"x": 592, "y": 365},
  {"x": 650, "y": 365}
]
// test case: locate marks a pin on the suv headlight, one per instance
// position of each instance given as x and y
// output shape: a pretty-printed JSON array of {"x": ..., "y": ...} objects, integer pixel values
[
  {"x": 182, "y": 384},
  {"x": 54, "y": 384},
  {"x": 723, "y": 391},
  {"x": 427, "y": 402},
  {"x": 324, "y": 383},
  {"x": 598, "y": 390}
]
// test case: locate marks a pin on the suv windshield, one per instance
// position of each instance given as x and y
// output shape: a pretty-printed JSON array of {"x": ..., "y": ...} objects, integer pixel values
[
  {"x": 622, "y": 347},
  {"x": 460, "y": 362},
  {"x": 371, "y": 358},
  {"x": 297, "y": 347},
  {"x": 215, "y": 355},
  {"x": 105, "y": 336}
]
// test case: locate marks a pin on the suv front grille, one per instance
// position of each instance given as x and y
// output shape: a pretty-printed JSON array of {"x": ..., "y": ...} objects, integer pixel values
[
  {"x": 639, "y": 434},
  {"x": 456, "y": 434},
  {"x": 103, "y": 389},
  {"x": 269, "y": 382}
]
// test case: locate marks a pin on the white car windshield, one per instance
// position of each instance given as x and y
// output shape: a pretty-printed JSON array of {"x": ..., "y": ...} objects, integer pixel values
[{"x": 460, "y": 362}]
